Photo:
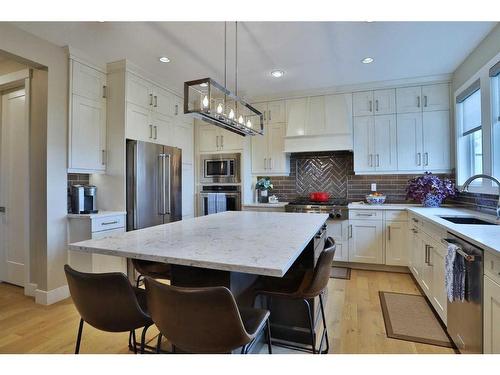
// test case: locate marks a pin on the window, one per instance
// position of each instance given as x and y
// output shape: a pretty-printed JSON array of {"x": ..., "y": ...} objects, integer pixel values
[
  {"x": 495, "y": 113},
  {"x": 470, "y": 143}
]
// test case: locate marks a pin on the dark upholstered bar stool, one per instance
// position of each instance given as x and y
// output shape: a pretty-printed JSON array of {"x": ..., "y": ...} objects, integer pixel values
[
  {"x": 204, "y": 320},
  {"x": 312, "y": 285},
  {"x": 108, "y": 302},
  {"x": 156, "y": 270}
]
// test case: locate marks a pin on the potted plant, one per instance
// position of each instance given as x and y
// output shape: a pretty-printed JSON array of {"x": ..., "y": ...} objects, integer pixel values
[
  {"x": 263, "y": 186},
  {"x": 430, "y": 190}
]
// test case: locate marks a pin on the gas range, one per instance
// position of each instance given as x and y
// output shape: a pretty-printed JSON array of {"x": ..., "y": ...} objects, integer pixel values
[{"x": 336, "y": 208}]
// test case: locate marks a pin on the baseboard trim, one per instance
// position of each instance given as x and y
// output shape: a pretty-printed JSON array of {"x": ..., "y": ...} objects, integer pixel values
[
  {"x": 30, "y": 289},
  {"x": 373, "y": 267},
  {"x": 52, "y": 296}
]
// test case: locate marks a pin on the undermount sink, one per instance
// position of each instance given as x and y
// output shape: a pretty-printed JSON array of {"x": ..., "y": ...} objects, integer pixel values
[{"x": 467, "y": 220}]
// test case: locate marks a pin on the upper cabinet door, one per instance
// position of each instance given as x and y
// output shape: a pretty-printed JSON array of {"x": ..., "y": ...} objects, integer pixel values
[
  {"x": 409, "y": 141},
  {"x": 276, "y": 112},
  {"x": 436, "y": 140},
  {"x": 436, "y": 97},
  {"x": 183, "y": 138},
  {"x": 260, "y": 153},
  {"x": 409, "y": 99},
  {"x": 208, "y": 138},
  {"x": 88, "y": 82},
  {"x": 276, "y": 145},
  {"x": 163, "y": 102},
  {"x": 296, "y": 114},
  {"x": 315, "y": 121},
  {"x": 363, "y": 144},
  {"x": 338, "y": 114},
  {"x": 139, "y": 123},
  {"x": 139, "y": 91},
  {"x": 162, "y": 129},
  {"x": 363, "y": 103},
  {"x": 385, "y": 102},
  {"x": 385, "y": 143},
  {"x": 229, "y": 141}
]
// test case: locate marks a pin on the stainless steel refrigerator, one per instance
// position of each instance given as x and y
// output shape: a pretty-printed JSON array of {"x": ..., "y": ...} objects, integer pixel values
[{"x": 154, "y": 184}]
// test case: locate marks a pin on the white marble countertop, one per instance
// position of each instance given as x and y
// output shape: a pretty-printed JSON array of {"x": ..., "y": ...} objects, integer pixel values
[
  {"x": 266, "y": 205},
  {"x": 97, "y": 215},
  {"x": 262, "y": 243},
  {"x": 486, "y": 237}
]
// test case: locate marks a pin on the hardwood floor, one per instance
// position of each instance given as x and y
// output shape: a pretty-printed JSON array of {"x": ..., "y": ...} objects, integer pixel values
[{"x": 354, "y": 317}]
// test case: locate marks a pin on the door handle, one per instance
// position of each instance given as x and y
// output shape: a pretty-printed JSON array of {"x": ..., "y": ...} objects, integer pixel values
[
  {"x": 150, "y": 99},
  {"x": 150, "y": 131},
  {"x": 349, "y": 234},
  {"x": 269, "y": 115},
  {"x": 222, "y": 141},
  {"x": 419, "y": 159},
  {"x": 370, "y": 160},
  {"x": 418, "y": 101},
  {"x": 264, "y": 113},
  {"x": 217, "y": 142},
  {"x": 425, "y": 100},
  {"x": 104, "y": 91},
  {"x": 103, "y": 157},
  {"x": 378, "y": 161},
  {"x": 389, "y": 232},
  {"x": 156, "y": 101},
  {"x": 376, "y": 105},
  {"x": 156, "y": 132},
  {"x": 176, "y": 109},
  {"x": 371, "y": 106},
  {"x": 426, "y": 259},
  {"x": 426, "y": 159},
  {"x": 429, "y": 256},
  {"x": 265, "y": 163},
  {"x": 271, "y": 163}
]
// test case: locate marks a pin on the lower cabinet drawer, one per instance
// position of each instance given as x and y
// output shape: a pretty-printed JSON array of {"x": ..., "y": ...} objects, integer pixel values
[
  {"x": 365, "y": 214},
  {"x": 108, "y": 223},
  {"x": 396, "y": 215},
  {"x": 492, "y": 266}
]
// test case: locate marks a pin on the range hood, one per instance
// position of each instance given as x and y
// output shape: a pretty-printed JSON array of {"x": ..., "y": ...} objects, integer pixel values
[{"x": 317, "y": 143}]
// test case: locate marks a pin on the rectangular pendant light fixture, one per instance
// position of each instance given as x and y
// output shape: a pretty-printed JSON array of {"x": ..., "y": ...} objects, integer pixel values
[{"x": 215, "y": 104}]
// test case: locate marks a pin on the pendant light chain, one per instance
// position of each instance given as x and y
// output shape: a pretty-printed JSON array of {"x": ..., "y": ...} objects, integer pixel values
[{"x": 236, "y": 59}]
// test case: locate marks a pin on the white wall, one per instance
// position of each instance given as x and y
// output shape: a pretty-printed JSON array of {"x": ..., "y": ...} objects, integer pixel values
[{"x": 54, "y": 247}]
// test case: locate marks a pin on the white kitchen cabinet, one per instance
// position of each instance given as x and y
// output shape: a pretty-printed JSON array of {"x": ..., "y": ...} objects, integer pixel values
[
  {"x": 276, "y": 112},
  {"x": 375, "y": 143},
  {"x": 366, "y": 241},
  {"x": 415, "y": 259},
  {"x": 436, "y": 140},
  {"x": 426, "y": 274},
  {"x": 491, "y": 316},
  {"x": 338, "y": 114},
  {"x": 384, "y": 102},
  {"x": 138, "y": 123},
  {"x": 296, "y": 116},
  {"x": 362, "y": 103},
  {"x": 409, "y": 99},
  {"x": 437, "y": 254},
  {"x": 95, "y": 226},
  {"x": 409, "y": 141},
  {"x": 338, "y": 230},
  {"x": 139, "y": 91},
  {"x": 268, "y": 156},
  {"x": 162, "y": 129},
  {"x": 396, "y": 243},
  {"x": 436, "y": 97},
  {"x": 212, "y": 138},
  {"x": 163, "y": 102},
  {"x": 87, "y": 144}
]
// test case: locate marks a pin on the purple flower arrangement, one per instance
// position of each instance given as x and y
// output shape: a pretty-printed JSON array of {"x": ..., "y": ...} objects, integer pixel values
[{"x": 430, "y": 190}]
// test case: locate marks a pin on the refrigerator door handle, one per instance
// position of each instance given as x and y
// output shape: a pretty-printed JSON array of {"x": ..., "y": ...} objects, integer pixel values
[
  {"x": 166, "y": 173},
  {"x": 161, "y": 183}
]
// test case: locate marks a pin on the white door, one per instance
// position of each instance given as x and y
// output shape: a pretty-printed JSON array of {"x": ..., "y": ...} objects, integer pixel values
[
  {"x": 276, "y": 146},
  {"x": 491, "y": 316},
  {"x": 426, "y": 276},
  {"x": 276, "y": 112},
  {"x": 14, "y": 187},
  {"x": 436, "y": 97},
  {"x": 139, "y": 123},
  {"x": 436, "y": 140},
  {"x": 208, "y": 138},
  {"x": 385, "y": 101},
  {"x": 409, "y": 99},
  {"x": 396, "y": 243},
  {"x": 384, "y": 138},
  {"x": 315, "y": 121},
  {"x": 366, "y": 242},
  {"x": 363, "y": 144},
  {"x": 260, "y": 144},
  {"x": 139, "y": 91},
  {"x": 88, "y": 134},
  {"x": 338, "y": 114},
  {"x": 439, "y": 297},
  {"x": 296, "y": 115},
  {"x": 409, "y": 141},
  {"x": 362, "y": 103}
]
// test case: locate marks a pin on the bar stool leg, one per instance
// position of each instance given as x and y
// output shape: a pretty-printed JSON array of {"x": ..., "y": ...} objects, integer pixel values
[
  {"x": 268, "y": 336},
  {"x": 79, "y": 337},
  {"x": 322, "y": 306},
  {"x": 138, "y": 281},
  {"x": 311, "y": 325},
  {"x": 134, "y": 342},
  {"x": 143, "y": 338},
  {"x": 158, "y": 344}
]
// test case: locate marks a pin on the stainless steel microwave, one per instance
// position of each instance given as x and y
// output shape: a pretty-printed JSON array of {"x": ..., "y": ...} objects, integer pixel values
[{"x": 220, "y": 168}]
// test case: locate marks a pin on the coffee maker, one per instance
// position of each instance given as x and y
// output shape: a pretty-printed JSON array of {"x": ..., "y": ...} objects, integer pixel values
[{"x": 83, "y": 199}]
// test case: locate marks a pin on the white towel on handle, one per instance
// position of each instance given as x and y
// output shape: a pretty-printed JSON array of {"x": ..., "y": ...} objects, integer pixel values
[{"x": 455, "y": 274}]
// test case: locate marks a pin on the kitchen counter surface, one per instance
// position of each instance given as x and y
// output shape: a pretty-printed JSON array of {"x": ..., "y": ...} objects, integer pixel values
[
  {"x": 486, "y": 237},
  {"x": 385, "y": 206},
  {"x": 261, "y": 243},
  {"x": 266, "y": 205},
  {"x": 97, "y": 215}
]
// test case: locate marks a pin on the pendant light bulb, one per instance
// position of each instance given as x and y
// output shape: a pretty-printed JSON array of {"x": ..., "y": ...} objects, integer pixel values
[
  {"x": 240, "y": 119},
  {"x": 231, "y": 114},
  {"x": 205, "y": 102},
  {"x": 249, "y": 123},
  {"x": 220, "y": 109}
]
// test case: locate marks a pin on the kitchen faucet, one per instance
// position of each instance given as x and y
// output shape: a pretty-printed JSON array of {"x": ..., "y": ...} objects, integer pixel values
[{"x": 465, "y": 187}]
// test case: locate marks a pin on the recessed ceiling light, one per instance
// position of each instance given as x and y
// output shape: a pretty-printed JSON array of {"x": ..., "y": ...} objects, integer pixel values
[
  {"x": 164, "y": 59},
  {"x": 277, "y": 73},
  {"x": 367, "y": 60}
]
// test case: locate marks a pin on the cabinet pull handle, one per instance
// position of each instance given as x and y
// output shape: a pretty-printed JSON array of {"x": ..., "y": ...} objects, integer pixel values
[
  {"x": 176, "y": 109},
  {"x": 426, "y": 159},
  {"x": 370, "y": 160},
  {"x": 150, "y": 131},
  {"x": 110, "y": 222},
  {"x": 150, "y": 99},
  {"x": 270, "y": 163},
  {"x": 414, "y": 230},
  {"x": 104, "y": 91},
  {"x": 264, "y": 115},
  {"x": 217, "y": 142},
  {"x": 366, "y": 215},
  {"x": 389, "y": 232},
  {"x": 350, "y": 231},
  {"x": 269, "y": 115},
  {"x": 156, "y": 132},
  {"x": 222, "y": 141},
  {"x": 418, "y": 101},
  {"x": 265, "y": 163},
  {"x": 156, "y": 101},
  {"x": 429, "y": 256},
  {"x": 103, "y": 157},
  {"x": 371, "y": 106},
  {"x": 378, "y": 161},
  {"x": 376, "y": 105},
  {"x": 419, "y": 159},
  {"x": 425, "y": 100}
]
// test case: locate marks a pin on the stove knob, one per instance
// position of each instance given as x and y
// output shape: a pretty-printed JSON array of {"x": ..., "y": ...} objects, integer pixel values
[
  {"x": 338, "y": 215},
  {"x": 331, "y": 215}
]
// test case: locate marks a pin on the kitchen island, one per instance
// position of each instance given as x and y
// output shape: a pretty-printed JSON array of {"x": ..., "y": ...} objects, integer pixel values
[{"x": 232, "y": 249}]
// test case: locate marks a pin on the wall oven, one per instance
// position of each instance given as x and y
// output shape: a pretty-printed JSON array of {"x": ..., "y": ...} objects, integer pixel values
[
  {"x": 220, "y": 168},
  {"x": 217, "y": 198}
]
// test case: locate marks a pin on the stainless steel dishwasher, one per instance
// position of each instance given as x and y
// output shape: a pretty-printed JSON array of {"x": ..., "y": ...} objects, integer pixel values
[{"x": 465, "y": 319}]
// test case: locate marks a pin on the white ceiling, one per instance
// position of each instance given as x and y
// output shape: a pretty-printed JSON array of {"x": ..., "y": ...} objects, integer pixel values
[{"x": 314, "y": 55}]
